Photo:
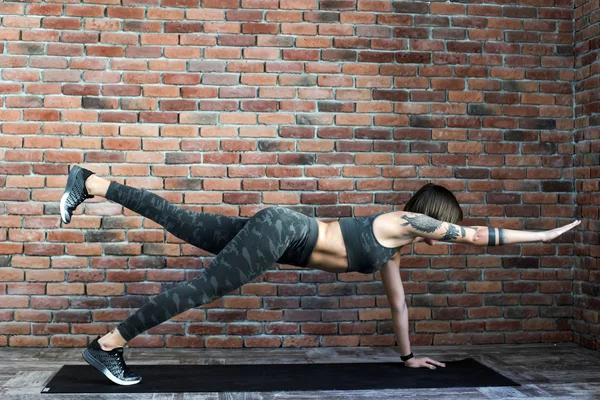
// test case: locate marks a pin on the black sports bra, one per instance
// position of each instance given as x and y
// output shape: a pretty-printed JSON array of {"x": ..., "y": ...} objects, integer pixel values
[{"x": 365, "y": 253}]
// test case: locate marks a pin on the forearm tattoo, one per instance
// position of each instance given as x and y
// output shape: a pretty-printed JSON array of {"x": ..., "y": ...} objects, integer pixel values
[
  {"x": 492, "y": 236},
  {"x": 451, "y": 233}
]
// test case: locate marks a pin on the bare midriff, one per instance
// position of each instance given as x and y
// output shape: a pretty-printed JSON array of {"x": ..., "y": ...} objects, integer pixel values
[{"x": 329, "y": 253}]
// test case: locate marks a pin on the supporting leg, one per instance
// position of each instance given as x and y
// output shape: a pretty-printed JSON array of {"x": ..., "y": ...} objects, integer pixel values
[{"x": 252, "y": 251}]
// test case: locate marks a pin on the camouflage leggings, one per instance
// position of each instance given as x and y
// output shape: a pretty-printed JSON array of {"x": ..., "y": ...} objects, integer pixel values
[{"x": 244, "y": 248}]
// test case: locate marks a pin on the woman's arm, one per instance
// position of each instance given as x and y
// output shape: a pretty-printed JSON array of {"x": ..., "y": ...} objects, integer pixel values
[
  {"x": 392, "y": 283},
  {"x": 424, "y": 226}
]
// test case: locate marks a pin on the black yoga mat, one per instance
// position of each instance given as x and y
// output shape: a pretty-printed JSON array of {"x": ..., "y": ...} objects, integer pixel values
[{"x": 278, "y": 377}]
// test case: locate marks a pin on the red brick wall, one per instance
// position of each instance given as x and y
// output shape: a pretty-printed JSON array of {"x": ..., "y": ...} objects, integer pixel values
[
  {"x": 331, "y": 108},
  {"x": 587, "y": 174}
]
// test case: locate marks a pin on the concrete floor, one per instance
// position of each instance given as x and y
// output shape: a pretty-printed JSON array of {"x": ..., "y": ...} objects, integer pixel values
[{"x": 564, "y": 371}]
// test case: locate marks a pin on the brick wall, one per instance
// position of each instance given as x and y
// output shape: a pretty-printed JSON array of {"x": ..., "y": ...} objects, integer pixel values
[
  {"x": 587, "y": 174},
  {"x": 331, "y": 108}
]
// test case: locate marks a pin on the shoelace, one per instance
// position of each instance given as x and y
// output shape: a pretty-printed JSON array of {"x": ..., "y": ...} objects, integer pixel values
[{"x": 123, "y": 369}]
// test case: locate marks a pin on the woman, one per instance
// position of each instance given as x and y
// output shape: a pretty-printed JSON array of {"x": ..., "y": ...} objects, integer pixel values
[{"x": 247, "y": 247}]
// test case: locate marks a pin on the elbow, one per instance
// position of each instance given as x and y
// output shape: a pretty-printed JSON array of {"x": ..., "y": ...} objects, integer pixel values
[
  {"x": 399, "y": 307},
  {"x": 478, "y": 238}
]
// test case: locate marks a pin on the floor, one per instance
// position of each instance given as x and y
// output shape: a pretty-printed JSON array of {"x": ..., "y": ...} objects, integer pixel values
[{"x": 564, "y": 371}]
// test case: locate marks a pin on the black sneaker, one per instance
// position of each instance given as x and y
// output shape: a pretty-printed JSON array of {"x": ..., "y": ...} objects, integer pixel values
[
  {"x": 75, "y": 192},
  {"x": 110, "y": 363}
]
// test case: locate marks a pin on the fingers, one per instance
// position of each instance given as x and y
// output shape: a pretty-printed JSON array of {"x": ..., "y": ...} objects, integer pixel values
[
  {"x": 427, "y": 363},
  {"x": 434, "y": 363},
  {"x": 568, "y": 227},
  {"x": 559, "y": 231},
  {"x": 572, "y": 224}
]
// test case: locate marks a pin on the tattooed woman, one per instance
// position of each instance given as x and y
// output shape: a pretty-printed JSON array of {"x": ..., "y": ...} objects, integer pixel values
[{"x": 244, "y": 248}]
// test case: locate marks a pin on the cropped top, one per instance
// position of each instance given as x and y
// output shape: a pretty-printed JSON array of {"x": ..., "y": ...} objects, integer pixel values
[{"x": 365, "y": 253}]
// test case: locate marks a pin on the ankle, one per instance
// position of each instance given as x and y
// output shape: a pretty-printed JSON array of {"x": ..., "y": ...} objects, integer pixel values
[
  {"x": 111, "y": 340},
  {"x": 89, "y": 184},
  {"x": 106, "y": 347},
  {"x": 96, "y": 186}
]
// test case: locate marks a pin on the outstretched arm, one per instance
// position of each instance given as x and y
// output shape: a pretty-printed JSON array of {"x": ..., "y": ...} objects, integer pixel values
[{"x": 420, "y": 225}]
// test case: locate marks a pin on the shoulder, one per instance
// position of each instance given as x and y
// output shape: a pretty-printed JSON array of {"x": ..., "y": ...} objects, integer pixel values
[
  {"x": 395, "y": 219},
  {"x": 398, "y": 225},
  {"x": 396, "y": 214}
]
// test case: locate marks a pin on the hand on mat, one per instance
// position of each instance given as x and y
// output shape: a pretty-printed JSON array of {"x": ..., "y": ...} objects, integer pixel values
[
  {"x": 553, "y": 233},
  {"x": 424, "y": 362}
]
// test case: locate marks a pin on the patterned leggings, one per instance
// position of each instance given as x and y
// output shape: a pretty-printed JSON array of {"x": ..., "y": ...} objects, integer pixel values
[{"x": 244, "y": 248}]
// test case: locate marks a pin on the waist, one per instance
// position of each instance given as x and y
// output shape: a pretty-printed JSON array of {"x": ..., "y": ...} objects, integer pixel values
[
  {"x": 330, "y": 250},
  {"x": 309, "y": 243}
]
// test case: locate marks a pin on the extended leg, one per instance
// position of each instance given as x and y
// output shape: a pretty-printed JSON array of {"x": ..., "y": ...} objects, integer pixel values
[{"x": 208, "y": 231}]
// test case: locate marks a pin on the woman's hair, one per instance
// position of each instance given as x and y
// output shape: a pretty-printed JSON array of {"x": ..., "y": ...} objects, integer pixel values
[{"x": 436, "y": 202}]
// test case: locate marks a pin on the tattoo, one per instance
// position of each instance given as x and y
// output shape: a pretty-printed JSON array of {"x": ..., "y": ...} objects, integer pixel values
[
  {"x": 451, "y": 233},
  {"x": 463, "y": 232},
  {"x": 427, "y": 224},
  {"x": 422, "y": 223},
  {"x": 501, "y": 237},
  {"x": 492, "y": 237}
]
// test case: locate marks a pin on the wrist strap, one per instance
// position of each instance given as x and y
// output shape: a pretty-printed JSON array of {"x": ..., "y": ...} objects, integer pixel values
[{"x": 406, "y": 358}]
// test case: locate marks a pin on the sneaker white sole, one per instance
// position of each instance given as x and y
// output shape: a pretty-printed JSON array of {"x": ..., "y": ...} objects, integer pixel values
[
  {"x": 63, "y": 208},
  {"x": 98, "y": 365},
  {"x": 70, "y": 182}
]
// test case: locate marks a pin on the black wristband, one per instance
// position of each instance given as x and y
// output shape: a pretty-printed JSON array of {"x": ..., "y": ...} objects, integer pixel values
[
  {"x": 406, "y": 358},
  {"x": 491, "y": 236}
]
